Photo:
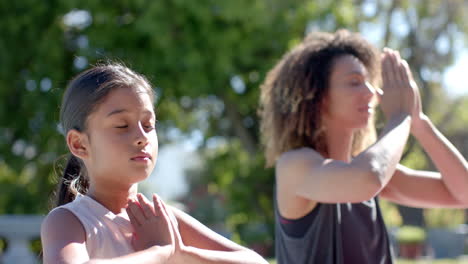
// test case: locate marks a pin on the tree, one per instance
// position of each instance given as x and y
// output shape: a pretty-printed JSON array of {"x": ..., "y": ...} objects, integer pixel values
[{"x": 206, "y": 59}]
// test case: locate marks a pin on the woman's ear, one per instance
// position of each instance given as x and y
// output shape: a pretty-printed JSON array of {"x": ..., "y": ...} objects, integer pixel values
[{"x": 77, "y": 143}]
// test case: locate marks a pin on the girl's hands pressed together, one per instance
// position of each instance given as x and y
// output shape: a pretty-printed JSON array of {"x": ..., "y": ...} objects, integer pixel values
[{"x": 151, "y": 223}]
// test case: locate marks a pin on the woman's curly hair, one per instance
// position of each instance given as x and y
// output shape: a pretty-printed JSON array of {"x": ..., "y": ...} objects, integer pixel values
[{"x": 293, "y": 91}]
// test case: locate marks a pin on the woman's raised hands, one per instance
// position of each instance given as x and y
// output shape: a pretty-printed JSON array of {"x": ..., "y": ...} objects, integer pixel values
[{"x": 400, "y": 91}]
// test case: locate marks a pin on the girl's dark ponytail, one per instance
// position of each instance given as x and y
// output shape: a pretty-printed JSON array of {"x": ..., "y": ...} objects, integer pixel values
[{"x": 73, "y": 181}]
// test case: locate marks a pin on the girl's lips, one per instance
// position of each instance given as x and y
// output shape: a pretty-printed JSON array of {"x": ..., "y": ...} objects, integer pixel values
[{"x": 142, "y": 157}]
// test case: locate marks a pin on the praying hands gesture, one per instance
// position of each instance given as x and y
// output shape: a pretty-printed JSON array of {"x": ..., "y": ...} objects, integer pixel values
[
  {"x": 181, "y": 237},
  {"x": 445, "y": 187},
  {"x": 154, "y": 225}
]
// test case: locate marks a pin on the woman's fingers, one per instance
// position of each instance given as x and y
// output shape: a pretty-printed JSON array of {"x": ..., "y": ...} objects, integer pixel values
[
  {"x": 395, "y": 66},
  {"x": 385, "y": 68}
]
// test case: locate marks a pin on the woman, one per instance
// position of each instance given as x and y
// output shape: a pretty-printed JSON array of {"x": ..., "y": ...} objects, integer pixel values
[{"x": 317, "y": 108}]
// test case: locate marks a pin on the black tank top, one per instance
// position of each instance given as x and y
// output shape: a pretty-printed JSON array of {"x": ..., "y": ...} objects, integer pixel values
[{"x": 336, "y": 234}]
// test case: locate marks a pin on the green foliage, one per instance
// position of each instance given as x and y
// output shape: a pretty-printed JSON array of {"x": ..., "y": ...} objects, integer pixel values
[
  {"x": 206, "y": 60},
  {"x": 444, "y": 218},
  {"x": 410, "y": 235},
  {"x": 390, "y": 214}
]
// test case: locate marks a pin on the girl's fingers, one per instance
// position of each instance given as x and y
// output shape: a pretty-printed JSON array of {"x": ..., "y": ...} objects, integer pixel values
[
  {"x": 136, "y": 211},
  {"x": 132, "y": 217},
  {"x": 173, "y": 225},
  {"x": 146, "y": 207},
  {"x": 157, "y": 205},
  {"x": 165, "y": 217}
]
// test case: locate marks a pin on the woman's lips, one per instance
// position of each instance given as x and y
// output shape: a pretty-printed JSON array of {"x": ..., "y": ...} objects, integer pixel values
[{"x": 365, "y": 109}]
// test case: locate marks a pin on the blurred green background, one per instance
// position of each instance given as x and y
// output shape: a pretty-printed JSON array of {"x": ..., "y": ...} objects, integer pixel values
[{"x": 206, "y": 60}]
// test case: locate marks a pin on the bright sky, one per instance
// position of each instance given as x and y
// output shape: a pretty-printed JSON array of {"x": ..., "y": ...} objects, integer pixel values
[{"x": 455, "y": 78}]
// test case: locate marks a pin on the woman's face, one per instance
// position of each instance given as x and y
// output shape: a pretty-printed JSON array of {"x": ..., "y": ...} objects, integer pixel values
[
  {"x": 351, "y": 98},
  {"x": 123, "y": 144}
]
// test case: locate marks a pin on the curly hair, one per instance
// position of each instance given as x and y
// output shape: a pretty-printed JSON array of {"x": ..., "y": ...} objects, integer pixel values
[{"x": 293, "y": 91}]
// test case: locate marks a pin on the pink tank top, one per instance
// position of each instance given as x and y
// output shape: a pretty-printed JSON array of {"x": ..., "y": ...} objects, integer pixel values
[{"x": 107, "y": 235}]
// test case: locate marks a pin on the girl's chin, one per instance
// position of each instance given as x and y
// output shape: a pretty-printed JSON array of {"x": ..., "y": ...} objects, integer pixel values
[{"x": 139, "y": 177}]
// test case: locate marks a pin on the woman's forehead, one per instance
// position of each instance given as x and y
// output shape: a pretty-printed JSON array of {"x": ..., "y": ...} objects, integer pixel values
[{"x": 348, "y": 64}]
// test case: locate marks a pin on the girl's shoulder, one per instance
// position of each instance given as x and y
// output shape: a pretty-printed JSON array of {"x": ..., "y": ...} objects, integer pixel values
[
  {"x": 63, "y": 237},
  {"x": 61, "y": 221}
]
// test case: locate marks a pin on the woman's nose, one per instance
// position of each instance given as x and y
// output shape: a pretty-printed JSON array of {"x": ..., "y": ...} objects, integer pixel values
[{"x": 369, "y": 90}]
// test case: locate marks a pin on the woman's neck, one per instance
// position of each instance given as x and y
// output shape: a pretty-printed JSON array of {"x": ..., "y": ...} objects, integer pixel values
[
  {"x": 114, "y": 199},
  {"x": 339, "y": 142}
]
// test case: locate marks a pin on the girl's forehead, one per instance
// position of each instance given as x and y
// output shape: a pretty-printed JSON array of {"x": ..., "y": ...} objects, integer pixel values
[{"x": 132, "y": 99}]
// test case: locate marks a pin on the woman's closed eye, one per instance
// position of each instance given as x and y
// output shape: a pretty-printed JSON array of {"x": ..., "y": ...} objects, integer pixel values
[{"x": 356, "y": 81}]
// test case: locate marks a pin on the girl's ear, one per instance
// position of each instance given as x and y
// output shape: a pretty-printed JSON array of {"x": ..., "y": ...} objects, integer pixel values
[{"x": 77, "y": 143}]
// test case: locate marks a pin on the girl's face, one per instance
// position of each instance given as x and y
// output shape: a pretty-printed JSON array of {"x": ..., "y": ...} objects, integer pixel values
[
  {"x": 351, "y": 98},
  {"x": 122, "y": 140}
]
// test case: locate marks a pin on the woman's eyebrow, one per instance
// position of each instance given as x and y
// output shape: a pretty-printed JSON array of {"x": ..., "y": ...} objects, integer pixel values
[{"x": 356, "y": 73}]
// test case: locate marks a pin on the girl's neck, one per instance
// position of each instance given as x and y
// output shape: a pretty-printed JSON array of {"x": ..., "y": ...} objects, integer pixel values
[
  {"x": 114, "y": 199},
  {"x": 339, "y": 142}
]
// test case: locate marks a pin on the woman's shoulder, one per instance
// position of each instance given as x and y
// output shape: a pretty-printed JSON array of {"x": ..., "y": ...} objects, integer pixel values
[{"x": 297, "y": 157}]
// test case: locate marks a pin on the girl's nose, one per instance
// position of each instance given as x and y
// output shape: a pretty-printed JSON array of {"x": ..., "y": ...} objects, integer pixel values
[{"x": 141, "y": 137}]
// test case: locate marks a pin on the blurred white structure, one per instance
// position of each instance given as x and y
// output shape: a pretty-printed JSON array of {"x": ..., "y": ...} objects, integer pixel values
[{"x": 19, "y": 230}]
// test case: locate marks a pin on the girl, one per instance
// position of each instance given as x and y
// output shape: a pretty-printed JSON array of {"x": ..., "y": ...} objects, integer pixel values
[
  {"x": 317, "y": 122},
  {"x": 108, "y": 119}
]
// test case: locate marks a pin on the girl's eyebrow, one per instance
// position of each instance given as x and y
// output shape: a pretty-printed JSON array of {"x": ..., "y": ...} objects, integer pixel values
[{"x": 119, "y": 111}]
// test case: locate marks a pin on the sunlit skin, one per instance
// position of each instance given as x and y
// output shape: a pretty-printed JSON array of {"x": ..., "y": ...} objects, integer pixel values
[
  {"x": 119, "y": 149},
  {"x": 304, "y": 177},
  {"x": 350, "y": 99},
  {"x": 119, "y": 146},
  {"x": 348, "y": 104}
]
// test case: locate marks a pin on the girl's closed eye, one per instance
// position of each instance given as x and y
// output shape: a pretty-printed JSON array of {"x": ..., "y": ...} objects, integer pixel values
[{"x": 151, "y": 125}]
